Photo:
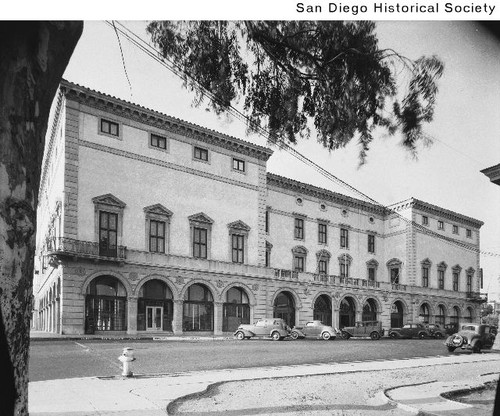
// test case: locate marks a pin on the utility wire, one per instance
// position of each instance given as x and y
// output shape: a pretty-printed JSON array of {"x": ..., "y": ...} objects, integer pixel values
[{"x": 177, "y": 70}]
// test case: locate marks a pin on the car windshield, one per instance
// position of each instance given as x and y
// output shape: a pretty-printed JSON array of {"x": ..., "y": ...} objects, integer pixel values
[{"x": 468, "y": 327}]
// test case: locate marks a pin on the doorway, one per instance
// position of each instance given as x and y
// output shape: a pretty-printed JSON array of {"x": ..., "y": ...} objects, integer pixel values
[{"x": 154, "y": 318}]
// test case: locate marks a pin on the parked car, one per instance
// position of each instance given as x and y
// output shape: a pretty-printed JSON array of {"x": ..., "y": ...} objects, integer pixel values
[
  {"x": 473, "y": 337},
  {"x": 274, "y": 328},
  {"x": 372, "y": 329},
  {"x": 450, "y": 329},
  {"x": 435, "y": 330},
  {"x": 315, "y": 329},
  {"x": 409, "y": 331}
]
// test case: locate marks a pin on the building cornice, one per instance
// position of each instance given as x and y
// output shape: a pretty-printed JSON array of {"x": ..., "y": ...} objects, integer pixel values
[
  {"x": 493, "y": 172},
  {"x": 322, "y": 194},
  {"x": 437, "y": 211},
  {"x": 122, "y": 108}
]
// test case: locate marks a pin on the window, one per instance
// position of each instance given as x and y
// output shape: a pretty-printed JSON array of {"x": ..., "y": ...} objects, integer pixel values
[
  {"x": 441, "y": 279},
  {"x": 299, "y": 229},
  {"x": 441, "y": 315},
  {"x": 110, "y": 127},
  {"x": 267, "y": 221},
  {"x": 455, "y": 281},
  {"x": 371, "y": 244},
  {"x": 469, "y": 282},
  {"x": 200, "y": 153},
  {"x": 469, "y": 233},
  {"x": 344, "y": 269},
  {"x": 238, "y": 248},
  {"x": 157, "y": 236},
  {"x": 425, "y": 277},
  {"x": 299, "y": 263},
  {"x": 158, "y": 141},
  {"x": 323, "y": 267},
  {"x": 200, "y": 242},
  {"x": 322, "y": 233},
  {"x": 425, "y": 220},
  {"x": 108, "y": 231},
  {"x": 344, "y": 238},
  {"x": 455, "y": 229},
  {"x": 239, "y": 165},
  {"x": 395, "y": 276},
  {"x": 371, "y": 274},
  {"x": 269, "y": 247},
  {"x": 440, "y": 225},
  {"x": 345, "y": 261}
]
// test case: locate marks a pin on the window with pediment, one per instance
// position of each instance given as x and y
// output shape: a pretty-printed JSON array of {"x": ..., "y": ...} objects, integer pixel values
[
  {"x": 201, "y": 235},
  {"x": 299, "y": 258},
  {"x": 456, "y": 277},
  {"x": 441, "y": 270},
  {"x": 157, "y": 228},
  {"x": 238, "y": 232},
  {"x": 108, "y": 220},
  {"x": 394, "y": 268},
  {"x": 345, "y": 261},
  {"x": 426, "y": 267}
]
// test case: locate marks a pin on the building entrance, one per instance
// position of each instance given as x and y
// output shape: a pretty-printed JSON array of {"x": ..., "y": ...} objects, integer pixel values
[{"x": 154, "y": 318}]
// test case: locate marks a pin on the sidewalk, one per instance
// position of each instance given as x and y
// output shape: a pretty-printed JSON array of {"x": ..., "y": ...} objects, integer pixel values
[{"x": 150, "y": 395}]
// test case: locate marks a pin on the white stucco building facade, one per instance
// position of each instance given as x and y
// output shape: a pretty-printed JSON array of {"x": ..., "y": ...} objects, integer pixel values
[{"x": 147, "y": 223}]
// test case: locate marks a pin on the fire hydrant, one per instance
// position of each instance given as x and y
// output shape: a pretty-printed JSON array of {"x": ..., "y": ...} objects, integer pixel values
[{"x": 126, "y": 358}]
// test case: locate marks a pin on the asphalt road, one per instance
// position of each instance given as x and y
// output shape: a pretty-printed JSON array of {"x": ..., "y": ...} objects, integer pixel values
[{"x": 57, "y": 359}]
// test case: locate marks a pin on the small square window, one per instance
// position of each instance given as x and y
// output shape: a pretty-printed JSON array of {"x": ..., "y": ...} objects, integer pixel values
[
  {"x": 239, "y": 165},
  {"x": 425, "y": 220},
  {"x": 440, "y": 225},
  {"x": 158, "y": 141},
  {"x": 455, "y": 229},
  {"x": 200, "y": 153},
  {"x": 110, "y": 127},
  {"x": 469, "y": 233}
]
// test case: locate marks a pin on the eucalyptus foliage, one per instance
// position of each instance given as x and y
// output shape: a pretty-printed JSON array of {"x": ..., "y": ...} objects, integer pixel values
[{"x": 293, "y": 75}]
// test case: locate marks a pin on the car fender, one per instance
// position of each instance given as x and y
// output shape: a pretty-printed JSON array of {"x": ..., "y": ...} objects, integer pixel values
[
  {"x": 350, "y": 333},
  {"x": 298, "y": 331},
  {"x": 246, "y": 332}
]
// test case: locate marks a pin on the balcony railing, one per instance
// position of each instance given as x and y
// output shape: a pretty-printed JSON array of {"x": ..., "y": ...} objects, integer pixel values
[
  {"x": 79, "y": 248},
  {"x": 286, "y": 274}
]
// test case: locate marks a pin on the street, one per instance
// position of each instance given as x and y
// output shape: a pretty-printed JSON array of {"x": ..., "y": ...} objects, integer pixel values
[{"x": 60, "y": 359}]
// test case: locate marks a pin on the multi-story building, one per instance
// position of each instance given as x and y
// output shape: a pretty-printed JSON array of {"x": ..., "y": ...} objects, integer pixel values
[{"x": 150, "y": 223}]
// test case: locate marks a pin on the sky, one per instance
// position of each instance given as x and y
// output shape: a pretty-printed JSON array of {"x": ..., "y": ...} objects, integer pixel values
[{"x": 465, "y": 129}]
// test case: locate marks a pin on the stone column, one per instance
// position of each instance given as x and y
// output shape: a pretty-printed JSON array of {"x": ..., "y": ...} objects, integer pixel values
[
  {"x": 177, "y": 319},
  {"x": 218, "y": 318},
  {"x": 132, "y": 315}
]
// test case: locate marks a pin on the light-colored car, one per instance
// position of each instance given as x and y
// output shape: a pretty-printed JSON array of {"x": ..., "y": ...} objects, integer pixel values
[
  {"x": 372, "y": 329},
  {"x": 274, "y": 328},
  {"x": 473, "y": 337},
  {"x": 314, "y": 329},
  {"x": 410, "y": 331}
]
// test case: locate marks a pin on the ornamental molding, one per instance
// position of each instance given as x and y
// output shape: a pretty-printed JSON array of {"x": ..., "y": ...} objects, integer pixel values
[
  {"x": 299, "y": 250},
  {"x": 426, "y": 263},
  {"x": 323, "y": 254},
  {"x": 109, "y": 199},
  {"x": 238, "y": 226},
  {"x": 372, "y": 263},
  {"x": 158, "y": 209},
  {"x": 143, "y": 115},
  {"x": 200, "y": 218},
  {"x": 321, "y": 194}
]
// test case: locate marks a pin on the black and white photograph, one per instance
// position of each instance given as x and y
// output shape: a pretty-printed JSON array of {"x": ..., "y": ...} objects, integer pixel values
[{"x": 251, "y": 212}]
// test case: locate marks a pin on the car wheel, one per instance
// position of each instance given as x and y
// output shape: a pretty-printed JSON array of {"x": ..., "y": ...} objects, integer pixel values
[
  {"x": 422, "y": 335},
  {"x": 438, "y": 335},
  {"x": 375, "y": 335},
  {"x": 451, "y": 349},
  {"x": 393, "y": 335},
  {"x": 294, "y": 335},
  {"x": 240, "y": 336},
  {"x": 275, "y": 336},
  {"x": 345, "y": 335},
  {"x": 477, "y": 347},
  {"x": 326, "y": 336}
]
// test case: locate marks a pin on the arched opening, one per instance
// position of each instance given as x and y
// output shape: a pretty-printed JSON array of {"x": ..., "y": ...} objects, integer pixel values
[
  {"x": 198, "y": 309},
  {"x": 347, "y": 312},
  {"x": 105, "y": 305},
  {"x": 424, "y": 313},
  {"x": 155, "y": 307},
  {"x": 441, "y": 315},
  {"x": 284, "y": 308},
  {"x": 323, "y": 310},
  {"x": 397, "y": 315},
  {"x": 455, "y": 315},
  {"x": 236, "y": 309},
  {"x": 369, "y": 311},
  {"x": 469, "y": 315}
]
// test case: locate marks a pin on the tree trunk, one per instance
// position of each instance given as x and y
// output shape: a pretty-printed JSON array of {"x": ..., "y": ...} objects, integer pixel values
[{"x": 33, "y": 57}]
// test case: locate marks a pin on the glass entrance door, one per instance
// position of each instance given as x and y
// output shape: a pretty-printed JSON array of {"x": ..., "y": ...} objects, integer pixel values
[{"x": 154, "y": 318}]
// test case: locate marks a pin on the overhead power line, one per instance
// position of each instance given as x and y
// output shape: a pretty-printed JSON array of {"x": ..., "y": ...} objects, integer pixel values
[{"x": 178, "y": 71}]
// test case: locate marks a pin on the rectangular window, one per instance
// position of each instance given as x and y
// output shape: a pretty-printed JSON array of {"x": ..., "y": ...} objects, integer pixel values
[
  {"x": 455, "y": 229},
  {"x": 395, "y": 276},
  {"x": 469, "y": 233},
  {"x": 322, "y": 234},
  {"x": 267, "y": 221},
  {"x": 158, "y": 141},
  {"x": 108, "y": 232},
  {"x": 200, "y": 153},
  {"x": 441, "y": 279},
  {"x": 425, "y": 277},
  {"x": 238, "y": 248},
  {"x": 455, "y": 282},
  {"x": 323, "y": 267},
  {"x": 239, "y": 165},
  {"x": 110, "y": 127},
  {"x": 440, "y": 225},
  {"x": 200, "y": 242},
  {"x": 157, "y": 236},
  {"x": 298, "y": 263},
  {"x": 371, "y": 244},
  {"x": 268, "y": 258},
  {"x": 344, "y": 238},
  {"x": 469, "y": 283},
  {"x": 299, "y": 228},
  {"x": 371, "y": 274},
  {"x": 344, "y": 269},
  {"x": 425, "y": 220}
]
